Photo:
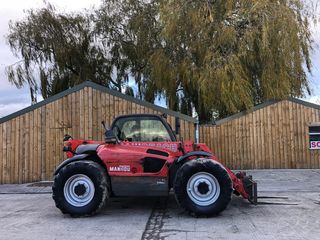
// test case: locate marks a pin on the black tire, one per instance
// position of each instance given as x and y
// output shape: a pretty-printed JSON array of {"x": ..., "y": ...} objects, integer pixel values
[
  {"x": 210, "y": 175},
  {"x": 83, "y": 175}
]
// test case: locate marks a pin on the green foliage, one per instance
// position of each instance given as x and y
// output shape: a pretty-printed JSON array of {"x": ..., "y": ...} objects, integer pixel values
[
  {"x": 217, "y": 57},
  {"x": 230, "y": 55},
  {"x": 58, "y": 51},
  {"x": 130, "y": 27}
]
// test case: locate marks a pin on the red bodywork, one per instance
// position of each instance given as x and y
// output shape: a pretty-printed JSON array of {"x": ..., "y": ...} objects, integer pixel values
[{"x": 124, "y": 159}]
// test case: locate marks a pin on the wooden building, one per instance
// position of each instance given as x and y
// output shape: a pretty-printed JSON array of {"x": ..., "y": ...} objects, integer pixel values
[
  {"x": 275, "y": 134},
  {"x": 31, "y": 139}
]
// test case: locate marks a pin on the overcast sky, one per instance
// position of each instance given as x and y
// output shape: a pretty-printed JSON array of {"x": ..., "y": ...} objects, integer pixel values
[{"x": 13, "y": 99}]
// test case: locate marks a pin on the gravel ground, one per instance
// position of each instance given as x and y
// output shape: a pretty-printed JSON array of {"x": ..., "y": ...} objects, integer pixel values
[{"x": 290, "y": 210}]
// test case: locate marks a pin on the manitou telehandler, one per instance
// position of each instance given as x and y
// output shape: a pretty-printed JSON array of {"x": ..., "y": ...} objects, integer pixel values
[{"x": 142, "y": 157}]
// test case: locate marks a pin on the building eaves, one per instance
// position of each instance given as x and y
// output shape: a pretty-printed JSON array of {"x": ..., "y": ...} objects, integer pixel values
[
  {"x": 263, "y": 105},
  {"x": 99, "y": 88}
]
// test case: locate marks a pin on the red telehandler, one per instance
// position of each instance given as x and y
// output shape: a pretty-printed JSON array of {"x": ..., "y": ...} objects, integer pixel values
[{"x": 142, "y": 157}]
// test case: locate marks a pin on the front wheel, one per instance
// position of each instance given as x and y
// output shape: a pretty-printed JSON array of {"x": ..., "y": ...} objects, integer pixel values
[
  {"x": 81, "y": 188},
  {"x": 203, "y": 187}
]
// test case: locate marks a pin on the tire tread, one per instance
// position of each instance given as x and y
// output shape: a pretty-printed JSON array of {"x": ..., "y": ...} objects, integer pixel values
[
  {"x": 207, "y": 165},
  {"x": 90, "y": 166}
]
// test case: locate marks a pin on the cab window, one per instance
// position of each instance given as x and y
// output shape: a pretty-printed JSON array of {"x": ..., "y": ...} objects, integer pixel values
[{"x": 141, "y": 129}]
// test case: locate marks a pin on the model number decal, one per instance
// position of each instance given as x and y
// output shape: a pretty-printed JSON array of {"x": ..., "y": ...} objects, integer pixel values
[
  {"x": 169, "y": 146},
  {"x": 120, "y": 168}
]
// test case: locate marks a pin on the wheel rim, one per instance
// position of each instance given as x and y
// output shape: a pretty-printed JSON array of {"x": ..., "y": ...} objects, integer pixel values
[
  {"x": 203, "y": 188},
  {"x": 79, "y": 190}
]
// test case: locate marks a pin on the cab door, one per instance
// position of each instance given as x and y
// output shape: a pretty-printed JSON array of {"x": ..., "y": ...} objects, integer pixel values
[
  {"x": 149, "y": 132},
  {"x": 152, "y": 136}
]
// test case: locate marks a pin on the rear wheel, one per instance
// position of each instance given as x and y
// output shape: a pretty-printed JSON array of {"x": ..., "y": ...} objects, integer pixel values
[
  {"x": 203, "y": 187},
  {"x": 81, "y": 188}
]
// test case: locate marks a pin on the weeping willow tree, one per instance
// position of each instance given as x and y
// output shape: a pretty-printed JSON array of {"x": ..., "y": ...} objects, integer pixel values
[
  {"x": 209, "y": 56},
  {"x": 227, "y": 56},
  {"x": 59, "y": 51},
  {"x": 131, "y": 29}
]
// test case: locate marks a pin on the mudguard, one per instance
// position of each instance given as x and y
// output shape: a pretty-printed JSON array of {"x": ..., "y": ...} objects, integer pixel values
[
  {"x": 70, "y": 160},
  {"x": 192, "y": 154},
  {"x": 87, "y": 148}
]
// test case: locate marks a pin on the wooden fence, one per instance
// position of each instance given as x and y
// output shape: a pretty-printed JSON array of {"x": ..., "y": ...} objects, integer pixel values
[
  {"x": 31, "y": 140},
  {"x": 273, "y": 136}
]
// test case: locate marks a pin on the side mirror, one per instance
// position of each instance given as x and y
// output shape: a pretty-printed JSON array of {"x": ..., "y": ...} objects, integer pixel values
[
  {"x": 67, "y": 137},
  {"x": 104, "y": 125},
  {"x": 110, "y": 137},
  {"x": 177, "y": 126}
]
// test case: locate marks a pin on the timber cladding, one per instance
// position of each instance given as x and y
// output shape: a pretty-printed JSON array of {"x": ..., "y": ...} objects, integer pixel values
[
  {"x": 31, "y": 140},
  {"x": 273, "y": 135}
]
